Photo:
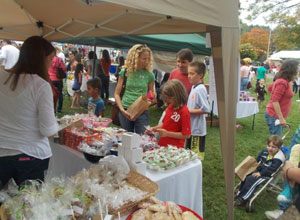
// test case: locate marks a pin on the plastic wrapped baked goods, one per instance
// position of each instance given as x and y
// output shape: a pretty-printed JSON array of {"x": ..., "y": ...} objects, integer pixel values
[
  {"x": 166, "y": 158},
  {"x": 108, "y": 184}
]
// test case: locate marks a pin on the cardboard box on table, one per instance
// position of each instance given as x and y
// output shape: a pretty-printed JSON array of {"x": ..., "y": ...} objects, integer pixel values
[
  {"x": 72, "y": 140},
  {"x": 61, "y": 130}
]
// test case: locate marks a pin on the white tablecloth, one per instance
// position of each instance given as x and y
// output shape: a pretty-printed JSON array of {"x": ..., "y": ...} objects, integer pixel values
[
  {"x": 182, "y": 185},
  {"x": 243, "y": 109}
]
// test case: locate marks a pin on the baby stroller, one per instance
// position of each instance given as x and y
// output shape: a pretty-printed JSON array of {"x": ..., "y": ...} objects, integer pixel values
[{"x": 270, "y": 184}]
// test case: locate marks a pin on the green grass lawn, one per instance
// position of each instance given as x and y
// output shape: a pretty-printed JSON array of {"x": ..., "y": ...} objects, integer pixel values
[{"x": 248, "y": 142}]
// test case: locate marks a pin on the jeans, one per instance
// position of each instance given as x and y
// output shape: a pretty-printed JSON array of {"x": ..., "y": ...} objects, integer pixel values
[
  {"x": 59, "y": 85},
  {"x": 105, "y": 87},
  {"x": 271, "y": 124},
  {"x": 244, "y": 83},
  {"x": 137, "y": 126}
]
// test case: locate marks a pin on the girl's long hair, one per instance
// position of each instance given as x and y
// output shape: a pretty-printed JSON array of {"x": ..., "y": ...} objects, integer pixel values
[
  {"x": 32, "y": 60},
  {"x": 134, "y": 53},
  {"x": 106, "y": 56},
  {"x": 79, "y": 68},
  {"x": 175, "y": 89}
]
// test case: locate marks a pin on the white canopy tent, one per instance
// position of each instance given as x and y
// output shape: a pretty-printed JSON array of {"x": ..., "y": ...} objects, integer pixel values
[
  {"x": 56, "y": 19},
  {"x": 286, "y": 54}
]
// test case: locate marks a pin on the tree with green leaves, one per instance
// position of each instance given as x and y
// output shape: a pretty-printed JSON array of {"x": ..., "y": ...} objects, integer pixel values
[
  {"x": 285, "y": 14},
  {"x": 286, "y": 35},
  {"x": 247, "y": 51}
]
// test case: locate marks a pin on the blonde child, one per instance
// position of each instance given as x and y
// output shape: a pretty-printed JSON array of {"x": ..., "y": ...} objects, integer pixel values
[
  {"x": 95, "y": 103},
  {"x": 261, "y": 91},
  {"x": 176, "y": 125},
  {"x": 76, "y": 85},
  {"x": 198, "y": 107}
]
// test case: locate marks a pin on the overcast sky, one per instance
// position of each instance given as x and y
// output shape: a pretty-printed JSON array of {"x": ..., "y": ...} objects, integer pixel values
[{"x": 244, "y": 13}]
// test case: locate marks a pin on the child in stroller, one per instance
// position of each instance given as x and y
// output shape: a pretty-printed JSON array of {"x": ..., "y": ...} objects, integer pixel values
[
  {"x": 269, "y": 160},
  {"x": 285, "y": 198}
]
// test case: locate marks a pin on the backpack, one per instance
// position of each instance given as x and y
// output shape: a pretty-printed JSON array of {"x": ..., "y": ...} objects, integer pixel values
[{"x": 60, "y": 73}]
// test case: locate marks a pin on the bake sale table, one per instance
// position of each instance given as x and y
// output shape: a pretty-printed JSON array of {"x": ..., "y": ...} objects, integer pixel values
[
  {"x": 182, "y": 185},
  {"x": 243, "y": 109}
]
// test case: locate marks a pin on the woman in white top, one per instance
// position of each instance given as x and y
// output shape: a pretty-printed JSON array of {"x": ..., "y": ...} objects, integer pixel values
[
  {"x": 244, "y": 74},
  {"x": 26, "y": 114}
]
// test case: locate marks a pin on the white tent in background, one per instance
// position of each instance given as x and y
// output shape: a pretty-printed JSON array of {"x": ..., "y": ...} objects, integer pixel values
[
  {"x": 57, "y": 19},
  {"x": 286, "y": 54}
]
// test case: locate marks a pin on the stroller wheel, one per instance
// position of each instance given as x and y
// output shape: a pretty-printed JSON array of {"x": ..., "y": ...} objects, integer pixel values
[{"x": 249, "y": 208}]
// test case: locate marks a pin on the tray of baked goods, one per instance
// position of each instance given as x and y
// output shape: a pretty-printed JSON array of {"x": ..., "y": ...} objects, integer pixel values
[{"x": 154, "y": 209}]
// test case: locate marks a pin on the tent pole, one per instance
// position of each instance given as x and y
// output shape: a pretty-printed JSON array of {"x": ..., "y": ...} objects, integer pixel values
[
  {"x": 225, "y": 60},
  {"x": 94, "y": 61}
]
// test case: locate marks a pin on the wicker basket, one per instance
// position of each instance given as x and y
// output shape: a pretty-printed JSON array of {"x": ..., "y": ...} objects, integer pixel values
[{"x": 141, "y": 182}]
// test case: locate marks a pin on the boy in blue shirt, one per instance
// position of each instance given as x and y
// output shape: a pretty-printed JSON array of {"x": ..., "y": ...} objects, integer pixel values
[
  {"x": 95, "y": 104},
  {"x": 198, "y": 107}
]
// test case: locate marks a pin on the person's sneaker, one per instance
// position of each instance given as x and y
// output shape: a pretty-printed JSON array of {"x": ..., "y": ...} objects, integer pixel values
[
  {"x": 274, "y": 214},
  {"x": 285, "y": 196},
  {"x": 239, "y": 202}
]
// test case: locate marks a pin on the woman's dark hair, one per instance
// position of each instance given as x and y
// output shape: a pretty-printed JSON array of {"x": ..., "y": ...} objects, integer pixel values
[
  {"x": 106, "y": 56},
  {"x": 95, "y": 83},
  {"x": 288, "y": 70},
  {"x": 79, "y": 68},
  {"x": 32, "y": 60},
  {"x": 74, "y": 52},
  {"x": 243, "y": 62},
  {"x": 121, "y": 60},
  {"x": 91, "y": 55}
]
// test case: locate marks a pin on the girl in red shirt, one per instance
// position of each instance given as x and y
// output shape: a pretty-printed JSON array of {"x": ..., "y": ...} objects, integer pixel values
[{"x": 176, "y": 125}]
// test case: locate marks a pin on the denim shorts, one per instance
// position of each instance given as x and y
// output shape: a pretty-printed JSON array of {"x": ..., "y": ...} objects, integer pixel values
[{"x": 271, "y": 124}]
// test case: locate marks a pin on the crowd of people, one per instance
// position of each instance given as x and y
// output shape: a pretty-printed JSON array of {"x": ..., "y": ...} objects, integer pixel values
[{"x": 31, "y": 81}]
